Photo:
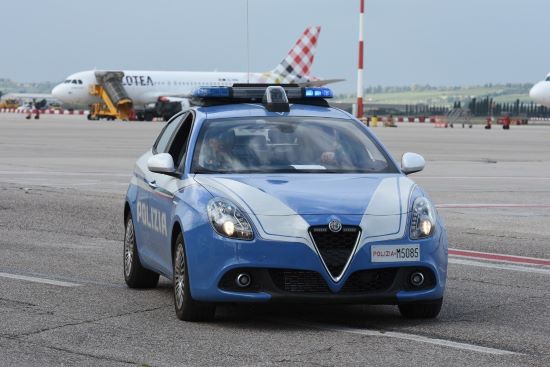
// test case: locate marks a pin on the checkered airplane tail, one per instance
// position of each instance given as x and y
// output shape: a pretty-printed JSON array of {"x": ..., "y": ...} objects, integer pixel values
[{"x": 296, "y": 66}]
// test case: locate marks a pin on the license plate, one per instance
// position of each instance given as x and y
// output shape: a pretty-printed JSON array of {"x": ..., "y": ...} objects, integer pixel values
[{"x": 394, "y": 253}]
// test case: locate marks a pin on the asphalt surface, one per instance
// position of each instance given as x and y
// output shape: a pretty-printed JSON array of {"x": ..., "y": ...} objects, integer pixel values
[{"x": 63, "y": 300}]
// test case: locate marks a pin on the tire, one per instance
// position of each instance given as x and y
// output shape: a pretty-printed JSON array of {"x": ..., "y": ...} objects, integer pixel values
[
  {"x": 187, "y": 309},
  {"x": 421, "y": 309},
  {"x": 135, "y": 275}
]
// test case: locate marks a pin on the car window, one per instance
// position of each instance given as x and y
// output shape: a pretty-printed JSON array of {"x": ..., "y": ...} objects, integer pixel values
[
  {"x": 165, "y": 136},
  {"x": 178, "y": 145},
  {"x": 294, "y": 145}
]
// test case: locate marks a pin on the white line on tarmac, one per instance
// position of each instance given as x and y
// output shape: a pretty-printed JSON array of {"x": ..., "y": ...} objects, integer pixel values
[
  {"x": 495, "y": 257},
  {"x": 483, "y": 264},
  {"x": 487, "y": 206},
  {"x": 529, "y": 178},
  {"x": 413, "y": 337},
  {"x": 57, "y": 173},
  {"x": 39, "y": 280}
]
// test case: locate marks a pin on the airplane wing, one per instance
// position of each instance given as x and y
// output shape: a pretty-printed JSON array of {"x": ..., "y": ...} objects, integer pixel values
[
  {"x": 319, "y": 83},
  {"x": 27, "y": 96}
]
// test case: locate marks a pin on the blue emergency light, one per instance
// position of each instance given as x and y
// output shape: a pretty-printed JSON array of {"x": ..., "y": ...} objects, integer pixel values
[
  {"x": 212, "y": 92},
  {"x": 318, "y": 93}
]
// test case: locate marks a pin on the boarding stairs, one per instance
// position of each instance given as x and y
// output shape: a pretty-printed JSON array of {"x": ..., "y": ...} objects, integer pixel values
[
  {"x": 115, "y": 102},
  {"x": 459, "y": 116}
]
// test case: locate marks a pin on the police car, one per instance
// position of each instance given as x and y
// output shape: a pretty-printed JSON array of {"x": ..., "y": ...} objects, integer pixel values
[{"x": 266, "y": 194}]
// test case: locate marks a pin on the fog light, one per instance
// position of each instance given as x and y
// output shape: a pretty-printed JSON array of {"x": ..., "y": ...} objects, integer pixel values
[
  {"x": 243, "y": 280},
  {"x": 417, "y": 279}
]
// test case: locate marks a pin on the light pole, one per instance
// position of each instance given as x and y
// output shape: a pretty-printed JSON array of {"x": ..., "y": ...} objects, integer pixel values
[{"x": 360, "y": 91}]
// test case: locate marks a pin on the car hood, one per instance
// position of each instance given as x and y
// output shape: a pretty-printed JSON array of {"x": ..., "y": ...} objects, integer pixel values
[{"x": 313, "y": 194}]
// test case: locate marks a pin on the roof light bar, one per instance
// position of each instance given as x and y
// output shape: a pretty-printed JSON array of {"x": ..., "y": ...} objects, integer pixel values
[{"x": 255, "y": 92}]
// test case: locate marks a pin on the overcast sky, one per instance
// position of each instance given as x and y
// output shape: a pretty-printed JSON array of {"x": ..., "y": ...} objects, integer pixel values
[{"x": 438, "y": 42}]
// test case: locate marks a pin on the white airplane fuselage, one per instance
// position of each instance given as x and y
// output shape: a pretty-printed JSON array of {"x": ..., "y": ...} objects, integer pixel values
[{"x": 145, "y": 87}]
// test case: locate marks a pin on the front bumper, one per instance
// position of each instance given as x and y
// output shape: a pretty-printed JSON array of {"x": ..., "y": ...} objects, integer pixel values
[{"x": 293, "y": 272}]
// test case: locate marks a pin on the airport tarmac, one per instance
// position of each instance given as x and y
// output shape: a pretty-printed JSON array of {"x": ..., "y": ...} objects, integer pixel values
[{"x": 63, "y": 300}]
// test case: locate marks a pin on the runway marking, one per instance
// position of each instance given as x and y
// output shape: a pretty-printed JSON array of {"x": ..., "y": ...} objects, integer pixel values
[
  {"x": 499, "y": 261},
  {"x": 480, "y": 205},
  {"x": 530, "y": 178},
  {"x": 56, "y": 173},
  {"x": 499, "y": 257},
  {"x": 502, "y": 266},
  {"x": 39, "y": 280},
  {"x": 414, "y": 337}
]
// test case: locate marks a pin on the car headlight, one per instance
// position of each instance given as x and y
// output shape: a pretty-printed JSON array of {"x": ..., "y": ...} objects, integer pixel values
[
  {"x": 422, "y": 219},
  {"x": 228, "y": 220}
]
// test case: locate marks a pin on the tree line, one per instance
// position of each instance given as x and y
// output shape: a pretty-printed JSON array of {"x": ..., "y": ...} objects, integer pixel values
[
  {"x": 501, "y": 89},
  {"x": 483, "y": 107},
  {"x": 487, "y": 107}
]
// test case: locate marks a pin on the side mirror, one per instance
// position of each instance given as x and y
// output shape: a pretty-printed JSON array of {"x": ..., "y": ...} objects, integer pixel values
[
  {"x": 161, "y": 163},
  {"x": 412, "y": 162}
]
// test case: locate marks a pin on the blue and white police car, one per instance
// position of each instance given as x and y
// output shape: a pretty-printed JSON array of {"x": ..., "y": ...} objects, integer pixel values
[{"x": 266, "y": 194}]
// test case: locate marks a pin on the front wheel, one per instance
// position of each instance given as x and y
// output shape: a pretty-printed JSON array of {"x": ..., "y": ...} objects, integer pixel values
[
  {"x": 135, "y": 275},
  {"x": 421, "y": 309},
  {"x": 187, "y": 309}
]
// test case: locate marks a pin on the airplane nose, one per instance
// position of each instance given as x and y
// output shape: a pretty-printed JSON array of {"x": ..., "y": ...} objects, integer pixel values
[
  {"x": 536, "y": 92},
  {"x": 62, "y": 93},
  {"x": 56, "y": 91}
]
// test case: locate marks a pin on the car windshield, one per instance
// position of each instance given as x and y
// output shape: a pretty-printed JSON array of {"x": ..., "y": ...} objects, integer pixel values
[{"x": 283, "y": 144}]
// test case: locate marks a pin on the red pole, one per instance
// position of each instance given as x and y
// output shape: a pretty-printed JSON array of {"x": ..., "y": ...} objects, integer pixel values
[{"x": 360, "y": 111}]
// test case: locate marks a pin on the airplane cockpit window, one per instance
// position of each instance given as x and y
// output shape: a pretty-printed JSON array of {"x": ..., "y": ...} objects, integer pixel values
[
  {"x": 79, "y": 81},
  {"x": 74, "y": 81},
  {"x": 67, "y": 81},
  {"x": 547, "y": 78}
]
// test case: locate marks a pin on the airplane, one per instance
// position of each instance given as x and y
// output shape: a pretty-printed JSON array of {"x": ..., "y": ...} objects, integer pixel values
[
  {"x": 146, "y": 87},
  {"x": 540, "y": 92}
]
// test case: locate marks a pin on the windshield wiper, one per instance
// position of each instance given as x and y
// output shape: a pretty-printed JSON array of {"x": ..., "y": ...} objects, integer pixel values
[
  {"x": 288, "y": 169},
  {"x": 333, "y": 171},
  {"x": 206, "y": 170}
]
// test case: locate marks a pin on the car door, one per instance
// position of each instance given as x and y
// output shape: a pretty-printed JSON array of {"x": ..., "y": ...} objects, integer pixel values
[
  {"x": 162, "y": 194},
  {"x": 153, "y": 216}
]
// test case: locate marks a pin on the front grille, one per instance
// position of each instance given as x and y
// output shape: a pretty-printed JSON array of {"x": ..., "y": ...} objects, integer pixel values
[
  {"x": 335, "y": 248},
  {"x": 299, "y": 281},
  {"x": 305, "y": 281},
  {"x": 374, "y": 280}
]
